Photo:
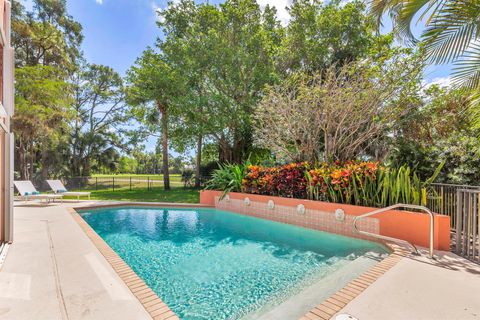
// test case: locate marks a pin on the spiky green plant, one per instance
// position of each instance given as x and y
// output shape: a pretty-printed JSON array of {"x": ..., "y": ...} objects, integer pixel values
[
  {"x": 399, "y": 185},
  {"x": 389, "y": 186},
  {"x": 228, "y": 178}
]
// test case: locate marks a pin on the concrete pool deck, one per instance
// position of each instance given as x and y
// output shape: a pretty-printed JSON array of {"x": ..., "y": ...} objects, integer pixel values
[
  {"x": 419, "y": 288},
  {"x": 54, "y": 271}
]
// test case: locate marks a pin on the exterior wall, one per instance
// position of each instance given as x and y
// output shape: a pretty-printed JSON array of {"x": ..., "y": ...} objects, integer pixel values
[
  {"x": 6, "y": 112},
  {"x": 412, "y": 227},
  {"x": 2, "y": 185}
]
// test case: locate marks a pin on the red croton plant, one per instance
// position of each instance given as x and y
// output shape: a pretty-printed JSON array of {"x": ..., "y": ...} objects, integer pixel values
[{"x": 307, "y": 180}]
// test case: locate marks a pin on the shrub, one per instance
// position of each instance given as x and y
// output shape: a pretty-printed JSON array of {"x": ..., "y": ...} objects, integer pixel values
[
  {"x": 187, "y": 178},
  {"x": 350, "y": 182},
  {"x": 286, "y": 181},
  {"x": 228, "y": 178}
]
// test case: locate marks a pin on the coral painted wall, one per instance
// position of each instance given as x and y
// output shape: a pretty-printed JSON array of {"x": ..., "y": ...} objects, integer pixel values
[{"x": 409, "y": 226}]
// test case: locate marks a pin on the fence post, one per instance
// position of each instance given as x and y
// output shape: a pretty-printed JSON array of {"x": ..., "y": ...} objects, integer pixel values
[
  {"x": 130, "y": 183},
  {"x": 96, "y": 183},
  {"x": 459, "y": 221},
  {"x": 113, "y": 184},
  {"x": 148, "y": 183}
]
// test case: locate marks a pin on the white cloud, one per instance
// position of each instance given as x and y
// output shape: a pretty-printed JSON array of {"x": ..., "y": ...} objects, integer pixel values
[
  {"x": 281, "y": 6},
  {"x": 157, "y": 10},
  {"x": 440, "y": 81},
  {"x": 99, "y": 1}
]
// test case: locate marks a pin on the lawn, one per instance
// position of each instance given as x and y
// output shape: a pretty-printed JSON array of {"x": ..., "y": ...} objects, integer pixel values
[{"x": 156, "y": 194}]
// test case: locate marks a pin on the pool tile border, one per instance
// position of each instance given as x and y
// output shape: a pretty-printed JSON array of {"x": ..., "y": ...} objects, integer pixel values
[
  {"x": 336, "y": 302},
  {"x": 152, "y": 303},
  {"x": 159, "y": 310}
]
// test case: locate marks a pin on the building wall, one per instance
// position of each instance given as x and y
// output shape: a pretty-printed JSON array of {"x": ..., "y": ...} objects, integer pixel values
[
  {"x": 6, "y": 112},
  {"x": 2, "y": 185}
]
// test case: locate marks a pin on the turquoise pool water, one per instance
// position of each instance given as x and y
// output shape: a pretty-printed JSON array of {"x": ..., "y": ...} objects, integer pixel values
[{"x": 212, "y": 264}]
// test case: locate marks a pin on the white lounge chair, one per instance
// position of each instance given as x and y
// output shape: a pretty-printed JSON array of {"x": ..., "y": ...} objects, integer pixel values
[
  {"x": 28, "y": 192},
  {"x": 58, "y": 187}
]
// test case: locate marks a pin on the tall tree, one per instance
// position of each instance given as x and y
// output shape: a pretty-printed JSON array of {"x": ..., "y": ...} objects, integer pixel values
[
  {"x": 47, "y": 35},
  {"x": 99, "y": 96},
  {"x": 153, "y": 86},
  {"x": 46, "y": 42},
  {"x": 318, "y": 35},
  {"x": 42, "y": 103},
  {"x": 227, "y": 52}
]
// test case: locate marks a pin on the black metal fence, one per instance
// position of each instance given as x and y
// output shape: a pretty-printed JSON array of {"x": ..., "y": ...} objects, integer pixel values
[{"x": 120, "y": 183}]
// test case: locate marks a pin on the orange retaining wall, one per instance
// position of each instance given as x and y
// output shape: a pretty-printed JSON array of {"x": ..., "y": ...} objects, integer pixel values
[{"x": 412, "y": 227}]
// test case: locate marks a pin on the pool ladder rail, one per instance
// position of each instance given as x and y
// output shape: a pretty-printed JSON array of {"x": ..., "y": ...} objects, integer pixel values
[{"x": 398, "y": 206}]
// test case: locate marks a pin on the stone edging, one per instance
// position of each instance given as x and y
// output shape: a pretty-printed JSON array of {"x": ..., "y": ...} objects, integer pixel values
[
  {"x": 155, "y": 307},
  {"x": 336, "y": 302}
]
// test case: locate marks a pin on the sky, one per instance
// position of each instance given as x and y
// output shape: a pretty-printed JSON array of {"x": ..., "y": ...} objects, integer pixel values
[{"x": 117, "y": 31}]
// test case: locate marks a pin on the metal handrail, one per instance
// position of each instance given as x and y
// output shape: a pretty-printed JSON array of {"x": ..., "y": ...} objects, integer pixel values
[{"x": 397, "y": 206}]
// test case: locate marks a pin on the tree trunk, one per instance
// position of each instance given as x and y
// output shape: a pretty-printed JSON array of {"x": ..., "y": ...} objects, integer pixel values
[
  {"x": 199, "y": 161},
  {"x": 166, "y": 175},
  {"x": 224, "y": 152}
]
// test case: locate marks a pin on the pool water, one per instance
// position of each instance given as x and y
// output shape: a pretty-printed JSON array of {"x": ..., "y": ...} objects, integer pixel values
[{"x": 212, "y": 264}]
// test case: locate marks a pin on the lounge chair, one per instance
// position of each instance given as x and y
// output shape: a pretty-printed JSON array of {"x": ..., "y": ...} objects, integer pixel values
[
  {"x": 28, "y": 192},
  {"x": 58, "y": 187}
]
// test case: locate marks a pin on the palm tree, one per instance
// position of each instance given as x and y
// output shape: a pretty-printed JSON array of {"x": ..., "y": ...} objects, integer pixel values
[{"x": 451, "y": 35}]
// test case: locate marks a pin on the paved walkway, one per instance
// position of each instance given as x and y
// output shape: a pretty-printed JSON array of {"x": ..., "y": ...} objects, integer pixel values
[
  {"x": 418, "y": 288},
  {"x": 53, "y": 271}
]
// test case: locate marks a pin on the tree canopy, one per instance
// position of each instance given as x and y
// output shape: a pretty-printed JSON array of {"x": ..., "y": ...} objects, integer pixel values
[{"x": 232, "y": 83}]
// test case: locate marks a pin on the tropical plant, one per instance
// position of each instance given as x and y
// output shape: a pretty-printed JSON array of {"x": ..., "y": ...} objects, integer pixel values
[
  {"x": 350, "y": 182},
  {"x": 438, "y": 130},
  {"x": 187, "y": 178},
  {"x": 451, "y": 34},
  {"x": 228, "y": 178},
  {"x": 369, "y": 184}
]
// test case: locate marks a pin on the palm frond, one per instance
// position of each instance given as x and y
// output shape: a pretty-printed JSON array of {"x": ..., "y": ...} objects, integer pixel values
[
  {"x": 410, "y": 8},
  {"x": 452, "y": 30},
  {"x": 466, "y": 69},
  {"x": 474, "y": 108},
  {"x": 380, "y": 7}
]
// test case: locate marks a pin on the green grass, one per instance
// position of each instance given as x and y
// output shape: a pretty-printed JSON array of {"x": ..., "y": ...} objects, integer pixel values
[{"x": 175, "y": 195}]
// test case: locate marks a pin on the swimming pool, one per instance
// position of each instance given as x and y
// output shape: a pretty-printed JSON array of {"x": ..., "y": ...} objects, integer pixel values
[{"x": 213, "y": 264}]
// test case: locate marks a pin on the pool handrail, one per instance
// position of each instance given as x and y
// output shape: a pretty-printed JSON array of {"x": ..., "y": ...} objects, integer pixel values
[{"x": 393, "y": 207}]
